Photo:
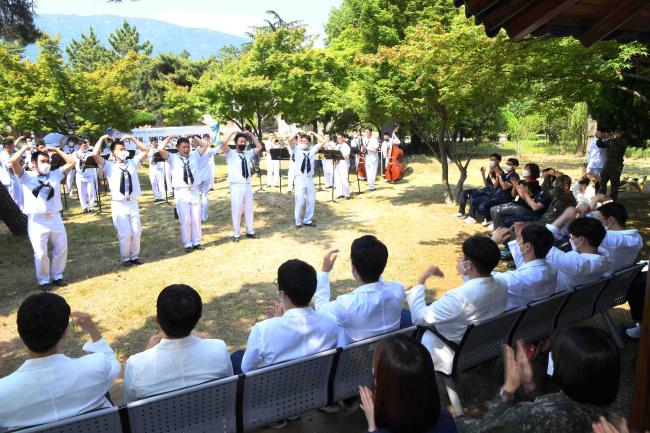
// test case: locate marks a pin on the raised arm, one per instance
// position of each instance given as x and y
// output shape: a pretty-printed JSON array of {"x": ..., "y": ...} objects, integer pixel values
[
  {"x": 224, "y": 143},
  {"x": 258, "y": 145},
  {"x": 140, "y": 145},
  {"x": 97, "y": 150},
  {"x": 162, "y": 149},
  {"x": 70, "y": 160},
  {"x": 17, "y": 159}
]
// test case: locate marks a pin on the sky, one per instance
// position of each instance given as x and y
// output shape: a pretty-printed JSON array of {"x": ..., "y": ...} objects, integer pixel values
[{"x": 234, "y": 17}]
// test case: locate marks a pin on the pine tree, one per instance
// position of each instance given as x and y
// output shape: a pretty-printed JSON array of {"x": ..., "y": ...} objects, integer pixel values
[
  {"x": 127, "y": 38},
  {"x": 88, "y": 53}
]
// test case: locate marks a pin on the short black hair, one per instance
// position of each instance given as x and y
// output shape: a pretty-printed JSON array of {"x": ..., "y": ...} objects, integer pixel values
[
  {"x": 369, "y": 128},
  {"x": 587, "y": 366},
  {"x": 496, "y": 156},
  {"x": 240, "y": 134},
  {"x": 369, "y": 257},
  {"x": 153, "y": 139},
  {"x": 513, "y": 161},
  {"x": 533, "y": 170},
  {"x": 116, "y": 143},
  {"x": 7, "y": 142},
  {"x": 38, "y": 153},
  {"x": 539, "y": 237},
  {"x": 614, "y": 210},
  {"x": 482, "y": 252},
  {"x": 306, "y": 136},
  {"x": 179, "y": 309},
  {"x": 42, "y": 320},
  {"x": 590, "y": 228},
  {"x": 298, "y": 280},
  {"x": 40, "y": 142},
  {"x": 584, "y": 181},
  {"x": 182, "y": 140}
]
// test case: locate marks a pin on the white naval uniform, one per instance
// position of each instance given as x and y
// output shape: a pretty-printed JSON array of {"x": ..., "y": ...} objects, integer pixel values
[
  {"x": 596, "y": 158},
  {"x": 175, "y": 364},
  {"x": 298, "y": 333},
  {"x": 272, "y": 167},
  {"x": 386, "y": 146},
  {"x": 86, "y": 181},
  {"x": 476, "y": 300},
  {"x": 156, "y": 176},
  {"x": 70, "y": 179},
  {"x": 365, "y": 312},
  {"x": 305, "y": 194},
  {"x": 372, "y": 160},
  {"x": 205, "y": 172},
  {"x": 328, "y": 165},
  {"x": 9, "y": 180},
  {"x": 241, "y": 191},
  {"x": 291, "y": 171},
  {"x": 187, "y": 196},
  {"x": 341, "y": 170},
  {"x": 57, "y": 387},
  {"x": 44, "y": 224},
  {"x": 622, "y": 247},
  {"x": 124, "y": 207}
]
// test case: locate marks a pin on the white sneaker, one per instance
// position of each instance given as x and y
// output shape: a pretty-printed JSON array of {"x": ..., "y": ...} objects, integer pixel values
[
  {"x": 458, "y": 215},
  {"x": 490, "y": 226},
  {"x": 485, "y": 223},
  {"x": 470, "y": 220},
  {"x": 634, "y": 332}
]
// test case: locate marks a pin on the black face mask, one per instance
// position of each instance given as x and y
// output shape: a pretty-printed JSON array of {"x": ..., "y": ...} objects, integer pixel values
[{"x": 241, "y": 147}]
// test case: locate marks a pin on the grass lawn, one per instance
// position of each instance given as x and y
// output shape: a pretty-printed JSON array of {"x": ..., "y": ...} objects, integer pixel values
[{"x": 235, "y": 279}]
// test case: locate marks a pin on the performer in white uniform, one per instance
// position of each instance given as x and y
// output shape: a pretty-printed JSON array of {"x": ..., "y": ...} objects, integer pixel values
[
  {"x": 70, "y": 147},
  {"x": 86, "y": 178},
  {"x": 291, "y": 171},
  {"x": 240, "y": 172},
  {"x": 207, "y": 138},
  {"x": 186, "y": 180},
  {"x": 156, "y": 172},
  {"x": 328, "y": 164},
  {"x": 272, "y": 167},
  {"x": 122, "y": 175},
  {"x": 596, "y": 156},
  {"x": 371, "y": 146},
  {"x": 304, "y": 158},
  {"x": 7, "y": 176},
  {"x": 205, "y": 173},
  {"x": 42, "y": 206},
  {"x": 342, "y": 168}
]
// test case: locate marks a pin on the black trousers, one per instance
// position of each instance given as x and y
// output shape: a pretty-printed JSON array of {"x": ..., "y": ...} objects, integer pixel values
[
  {"x": 636, "y": 296},
  {"x": 613, "y": 176}
]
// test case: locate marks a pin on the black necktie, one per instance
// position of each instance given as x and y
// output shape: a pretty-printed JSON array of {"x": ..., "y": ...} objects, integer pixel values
[
  {"x": 187, "y": 173},
  {"x": 125, "y": 174},
  {"x": 306, "y": 163},
  {"x": 36, "y": 191},
  {"x": 244, "y": 167}
]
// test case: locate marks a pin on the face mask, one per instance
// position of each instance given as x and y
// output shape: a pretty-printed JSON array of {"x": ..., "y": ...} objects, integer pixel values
[
  {"x": 462, "y": 271},
  {"x": 574, "y": 246},
  {"x": 304, "y": 146},
  {"x": 44, "y": 168},
  {"x": 492, "y": 164},
  {"x": 526, "y": 173},
  {"x": 508, "y": 168},
  {"x": 241, "y": 147},
  {"x": 123, "y": 154}
]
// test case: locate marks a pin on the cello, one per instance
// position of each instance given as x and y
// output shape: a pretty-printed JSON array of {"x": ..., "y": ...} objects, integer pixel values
[
  {"x": 395, "y": 167},
  {"x": 361, "y": 160}
]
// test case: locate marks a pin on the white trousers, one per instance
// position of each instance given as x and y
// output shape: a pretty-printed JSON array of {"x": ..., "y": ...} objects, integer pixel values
[
  {"x": 328, "y": 169},
  {"x": 272, "y": 172},
  {"x": 69, "y": 181},
  {"x": 126, "y": 219},
  {"x": 212, "y": 174},
  {"x": 341, "y": 182},
  {"x": 188, "y": 207},
  {"x": 305, "y": 196},
  {"x": 291, "y": 175},
  {"x": 372, "y": 162},
  {"x": 42, "y": 229},
  {"x": 157, "y": 180},
  {"x": 241, "y": 200},
  {"x": 204, "y": 187},
  {"x": 86, "y": 189}
]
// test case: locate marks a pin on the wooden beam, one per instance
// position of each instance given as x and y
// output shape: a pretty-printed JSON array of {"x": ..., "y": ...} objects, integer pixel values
[
  {"x": 475, "y": 7},
  {"x": 624, "y": 12},
  {"x": 639, "y": 420},
  {"x": 535, "y": 16},
  {"x": 504, "y": 12}
]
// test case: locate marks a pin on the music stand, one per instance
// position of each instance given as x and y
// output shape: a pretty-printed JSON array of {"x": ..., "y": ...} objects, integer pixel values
[
  {"x": 335, "y": 156},
  {"x": 281, "y": 154},
  {"x": 90, "y": 162}
]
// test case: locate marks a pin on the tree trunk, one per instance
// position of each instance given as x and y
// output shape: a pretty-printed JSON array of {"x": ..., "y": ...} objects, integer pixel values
[
  {"x": 10, "y": 213},
  {"x": 446, "y": 189}
]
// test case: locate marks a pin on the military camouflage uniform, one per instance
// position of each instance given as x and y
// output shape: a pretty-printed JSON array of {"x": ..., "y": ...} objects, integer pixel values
[
  {"x": 616, "y": 148},
  {"x": 551, "y": 413}
]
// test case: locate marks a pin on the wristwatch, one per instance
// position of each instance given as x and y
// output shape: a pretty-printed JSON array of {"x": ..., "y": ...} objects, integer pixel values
[{"x": 506, "y": 395}]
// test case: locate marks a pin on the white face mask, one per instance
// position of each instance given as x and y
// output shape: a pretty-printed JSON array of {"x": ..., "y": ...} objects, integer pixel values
[
  {"x": 507, "y": 168},
  {"x": 123, "y": 154},
  {"x": 44, "y": 168},
  {"x": 304, "y": 146},
  {"x": 462, "y": 271},
  {"x": 574, "y": 246},
  {"x": 526, "y": 173},
  {"x": 492, "y": 164}
]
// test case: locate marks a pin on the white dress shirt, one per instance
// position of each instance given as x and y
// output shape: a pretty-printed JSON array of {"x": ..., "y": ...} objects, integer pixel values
[
  {"x": 299, "y": 332},
  {"x": 205, "y": 171},
  {"x": 175, "y": 364},
  {"x": 530, "y": 282},
  {"x": 234, "y": 162},
  {"x": 299, "y": 155},
  {"x": 596, "y": 156},
  {"x": 575, "y": 269},
  {"x": 476, "y": 300},
  {"x": 372, "y": 146},
  {"x": 177, "y": 167},
  {"x": 5, "y": 166},
  {"x": 367, "y": 311},
  {"x": 113, "y": 172},
  {"x": 40, "y": 204},
  {"x": 56, "y": 387},
  {"x": 623, "y": 247}
]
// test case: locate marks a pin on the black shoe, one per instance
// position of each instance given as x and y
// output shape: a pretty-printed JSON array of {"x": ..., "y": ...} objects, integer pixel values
[
  {"x": 188, "y": 249},
  {"x": 126, "y": 263},
  {"x": 251, "y": 235},
  {"x": 348, "y": 198},
  {"x": 136, "y": 262},
  {"x": 235, "y": 239},
  {"x": 45, "y": 287},
  {"x": 298, "y": 226},
  {"x": 198, "y": 247},
  {"x": 310, "y": 224},
  {"x": 60, "y": 282}
]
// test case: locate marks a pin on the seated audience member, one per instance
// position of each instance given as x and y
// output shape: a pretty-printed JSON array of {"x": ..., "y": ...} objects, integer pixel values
[
  {"x": 50, "y": 386},
  {"x": 562, "y": 198},
  {"x": 405, "y": 398},
  {"x": 296, "y": 330},
  {"x": 375, "y": 306},
  {"x": 584, "y": 190},
  {"x": 586, "y": 368},
  {"x": 480, "y": 297},
  {"x": 548, "y": 171},
  {"x": 585, "y": 263},
  {"x": 174, "y": 358},
  {"x": 474, "y": 193},
  {"x": 534, "y": 278},
  {"x": 529, "y": 203},
  {"x": 506, "y": 179}
]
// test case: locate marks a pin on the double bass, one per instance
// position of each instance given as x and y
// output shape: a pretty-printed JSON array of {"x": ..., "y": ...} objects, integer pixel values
[
  {"x": 361, "y": 161},
  {"x": 395, "y": 167}
]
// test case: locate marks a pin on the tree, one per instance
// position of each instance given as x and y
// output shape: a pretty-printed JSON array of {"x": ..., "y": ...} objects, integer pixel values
[
  {"x": 17, "y": 21},
  {"x": 88, "y": 53},
  {"x": 126, "y": 39}
]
